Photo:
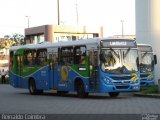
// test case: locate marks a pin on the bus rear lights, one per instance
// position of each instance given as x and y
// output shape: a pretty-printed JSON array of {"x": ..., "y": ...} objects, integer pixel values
[{"x": 135, "y": 87}]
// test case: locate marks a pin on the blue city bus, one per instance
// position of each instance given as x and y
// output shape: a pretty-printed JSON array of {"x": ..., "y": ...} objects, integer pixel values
[
  {"x": 147, "y": 64},
  {"x": 83, "y": 66}
]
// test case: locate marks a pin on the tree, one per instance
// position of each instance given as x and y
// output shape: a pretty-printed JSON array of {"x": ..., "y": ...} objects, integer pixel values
[
  {"x": 17, "y": 38},
  {"x": 5, "y": 44}
]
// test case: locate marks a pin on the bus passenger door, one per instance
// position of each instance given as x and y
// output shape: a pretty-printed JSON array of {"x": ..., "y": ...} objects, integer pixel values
[
  {"x": 52, "y": 63},
  {"x": 19, "y": 69},
  {"x": 93, "y": 61}
]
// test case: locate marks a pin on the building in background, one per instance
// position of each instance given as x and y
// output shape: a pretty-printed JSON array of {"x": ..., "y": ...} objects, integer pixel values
[
  {"x": 56, "y": 33},
  {"x": 148, "y": 27},
  {"x": 125, "y": 36}
]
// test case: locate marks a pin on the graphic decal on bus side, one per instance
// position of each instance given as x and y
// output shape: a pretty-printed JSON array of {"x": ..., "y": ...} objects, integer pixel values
[
  {"x": 134, "y": 77},
  {"x": 64, "y": 72}
]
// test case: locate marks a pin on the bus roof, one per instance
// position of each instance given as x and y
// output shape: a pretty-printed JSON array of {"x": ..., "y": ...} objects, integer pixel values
[
  {"x": 145, "y": 48},
  {"x": 56, "y": 44},
  {"x": 147, "y": 45},
  {"x": 66, "y": 43}
]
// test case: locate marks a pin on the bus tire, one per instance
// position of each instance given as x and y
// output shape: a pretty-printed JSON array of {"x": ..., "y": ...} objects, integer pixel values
[
  {"x": 62, "y": 93},
  {"x": 113, "y": 94},
  {"x": 32, "y": 87},
  {"x": 39, "y": 92},
  {"x": 80, "y": 89}
]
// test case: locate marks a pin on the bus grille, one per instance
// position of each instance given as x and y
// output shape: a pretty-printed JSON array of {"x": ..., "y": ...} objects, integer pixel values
[
  {"x": 143, "y": 75},
  {"x": 121, "y": 77},
  {"x": 122, "y": 87},
  {"x": 142, "y": 83}
]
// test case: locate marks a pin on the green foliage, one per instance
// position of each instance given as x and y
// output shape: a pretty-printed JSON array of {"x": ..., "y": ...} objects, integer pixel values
[
  {"x": 11, "y": 40},
  {"x": 149, "y": 89},
  {"x": 17, "y": 38},
  {"x": 7, "y": 80}
]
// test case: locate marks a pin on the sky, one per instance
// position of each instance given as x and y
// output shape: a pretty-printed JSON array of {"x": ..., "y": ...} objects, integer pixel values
[{"x": 106, "y": 13}]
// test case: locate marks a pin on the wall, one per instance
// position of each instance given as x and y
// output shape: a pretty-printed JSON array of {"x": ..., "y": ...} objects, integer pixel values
[{"x": 148, "y": 26}]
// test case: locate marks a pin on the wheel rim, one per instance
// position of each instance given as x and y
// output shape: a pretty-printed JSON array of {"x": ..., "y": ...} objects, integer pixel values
[{"x": 31, "y": 87}]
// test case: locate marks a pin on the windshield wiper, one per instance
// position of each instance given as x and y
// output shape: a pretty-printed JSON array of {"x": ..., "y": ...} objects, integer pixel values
[
  {"x": 126, "y": 52},
  {"x": 144, "y": 54},
  {"x": 117, "y": 55}
]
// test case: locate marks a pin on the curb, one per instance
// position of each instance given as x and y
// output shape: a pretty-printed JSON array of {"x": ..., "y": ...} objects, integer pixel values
[{"x": 147, "y": 95}]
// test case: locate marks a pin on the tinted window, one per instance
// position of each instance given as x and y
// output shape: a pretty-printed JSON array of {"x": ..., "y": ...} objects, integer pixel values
[
  {"x": 67, "y": 55},
  {"x": 80, "y": 55}
]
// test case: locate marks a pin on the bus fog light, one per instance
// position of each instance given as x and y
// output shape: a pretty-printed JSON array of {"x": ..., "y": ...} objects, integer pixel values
[{"x": 135, "y": 87}]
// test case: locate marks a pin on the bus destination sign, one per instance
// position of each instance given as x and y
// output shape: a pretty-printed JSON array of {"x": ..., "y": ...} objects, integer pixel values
[{"x": 118, "y": 43}]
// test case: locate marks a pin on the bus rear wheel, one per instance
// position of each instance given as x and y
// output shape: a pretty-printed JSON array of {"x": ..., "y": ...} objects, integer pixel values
[
  {"x": 32, "y": 88},
  {"x": 113, "y": 94},
  {"x": 80, "y": 90}
]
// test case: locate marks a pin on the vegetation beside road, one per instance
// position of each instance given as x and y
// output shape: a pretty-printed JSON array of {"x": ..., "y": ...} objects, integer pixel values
[
  {"x": 150, "y": 90},
  {"x": 7, "y": 80}
]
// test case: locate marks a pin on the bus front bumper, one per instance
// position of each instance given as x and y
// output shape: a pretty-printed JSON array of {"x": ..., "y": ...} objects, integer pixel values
[
  {"x": 120, "y": 88},
  {"x": 146, "y": 82}
]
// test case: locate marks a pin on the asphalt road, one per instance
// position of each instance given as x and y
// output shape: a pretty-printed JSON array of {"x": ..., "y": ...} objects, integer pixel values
[{"x": 14, "y": 100}]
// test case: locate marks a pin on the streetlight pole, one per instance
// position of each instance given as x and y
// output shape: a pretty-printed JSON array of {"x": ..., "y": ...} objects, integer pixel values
[
  {"x": 28, "y": 17},
  {"x": 76, "y": 5},
  {"x": 122, "y": 21},
  {"x": 58, "y": 12}
]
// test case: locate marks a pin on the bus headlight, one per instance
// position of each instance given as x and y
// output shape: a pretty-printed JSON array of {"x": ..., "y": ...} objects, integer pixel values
[
  {"x": 150, "y": 76},
  {"x": 106, "y": 81},
  {"x": 134, "y": 78}
]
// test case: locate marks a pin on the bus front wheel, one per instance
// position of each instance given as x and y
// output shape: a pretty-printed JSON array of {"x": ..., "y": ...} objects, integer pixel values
[
  {"x": 80, "y": 90},
  {"x": 113, "y": 94}
]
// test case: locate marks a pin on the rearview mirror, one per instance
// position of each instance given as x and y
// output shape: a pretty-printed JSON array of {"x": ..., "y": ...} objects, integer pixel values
[
  {"x": 102, "y": 58},
  {"x": 155, "y": 59}
]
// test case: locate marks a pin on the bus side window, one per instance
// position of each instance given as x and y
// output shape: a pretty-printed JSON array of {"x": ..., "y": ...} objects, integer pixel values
[
  {"x": 42, "y": 56},
  {"x": 59, "y": 56},
  {"x": 91, "y": 57},
  {"x": 54, "y": 58},
  {"x": 19, "y": 62},
  {"x": 80, "y": 55},
  {"x": 96, "y": 58},
  {"x": 67, "y": 55},
  {"x": 30, "y": 57}
]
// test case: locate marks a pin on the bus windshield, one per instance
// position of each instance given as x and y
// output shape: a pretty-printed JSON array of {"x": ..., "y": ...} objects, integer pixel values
[
  {"x": 119, "y": 61},
  {"x": 147, "y": 62}
]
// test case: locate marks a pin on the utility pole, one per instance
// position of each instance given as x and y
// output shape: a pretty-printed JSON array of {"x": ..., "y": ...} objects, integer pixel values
[
  {"x": 122, "y": 21},
  {"x": 28, "y": 19},
  {"x": 58, "y": 12}
]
